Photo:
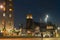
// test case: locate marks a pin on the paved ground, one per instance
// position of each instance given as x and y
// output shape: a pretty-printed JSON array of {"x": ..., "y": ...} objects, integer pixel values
[{"x": 29, "y": 38}]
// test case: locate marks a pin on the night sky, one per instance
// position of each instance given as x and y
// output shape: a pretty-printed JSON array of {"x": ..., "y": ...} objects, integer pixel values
[{"x": 38, "y": 8}]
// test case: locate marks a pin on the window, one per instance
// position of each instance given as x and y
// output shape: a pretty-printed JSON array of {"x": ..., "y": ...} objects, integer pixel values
[
  {"x": 4, "y": 9},
  {"x": 10, "y": 15},
  {"x": 27, "y": 17},
  {"x": 3, "y": 14},
  {"x": 49, "y": 27},
  {"x": 30, "y": 17},
  {"x": 10, "y": 4},
  {"x": 10, "y": 9}
]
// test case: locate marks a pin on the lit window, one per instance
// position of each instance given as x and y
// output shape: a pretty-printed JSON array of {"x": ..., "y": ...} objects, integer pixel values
[
  {"x": 27, "y": 17},
  {"x": 10, "y": 9},
  {"x": 3, "y": 14},
  {"x": 49, "y": 27},
  {"x": 10, "y": 4},
  {"x": 37, "y": 28},
  {"x": 4, "y": 9},
  {"x": 10, "y": 15},
  {"x": 30, "y": 17},
  {"x": 28, "y": 31}
]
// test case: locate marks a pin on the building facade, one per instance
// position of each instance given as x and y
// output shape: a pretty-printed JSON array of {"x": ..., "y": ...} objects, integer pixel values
[
  {"x": 6, "y": 14},
  {"x": 29, "y": 22}
]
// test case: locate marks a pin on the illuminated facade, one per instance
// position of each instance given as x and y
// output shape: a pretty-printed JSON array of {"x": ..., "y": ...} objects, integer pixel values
[{"x": 6, "y": 15}]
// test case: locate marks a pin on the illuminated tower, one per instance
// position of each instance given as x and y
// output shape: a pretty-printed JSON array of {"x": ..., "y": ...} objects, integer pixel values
[
  {"x": 6, "y": 15},
  {"x": 29, "y": 21}
]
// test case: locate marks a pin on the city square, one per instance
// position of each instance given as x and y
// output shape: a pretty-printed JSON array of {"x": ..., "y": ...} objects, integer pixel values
[{"x": 33, "y": 25}]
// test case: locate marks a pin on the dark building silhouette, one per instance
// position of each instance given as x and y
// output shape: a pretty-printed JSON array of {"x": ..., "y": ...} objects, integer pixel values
[
  {"x": 29, "y": 22},
  {"x": 20, "y": 26},
  {"x": 41, "y": 25}
]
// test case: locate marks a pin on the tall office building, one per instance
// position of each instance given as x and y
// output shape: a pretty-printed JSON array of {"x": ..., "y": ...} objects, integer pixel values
[
  {"x": 29, "y": 21},
  {"x": 6, "y": 14}
]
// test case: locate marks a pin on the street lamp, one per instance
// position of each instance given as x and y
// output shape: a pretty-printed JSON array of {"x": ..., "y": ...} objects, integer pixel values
[{"x": 46, "y": 18}]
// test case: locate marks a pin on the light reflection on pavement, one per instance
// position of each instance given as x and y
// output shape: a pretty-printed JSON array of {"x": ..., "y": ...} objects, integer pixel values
[{"x": 29, "y": 38}]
